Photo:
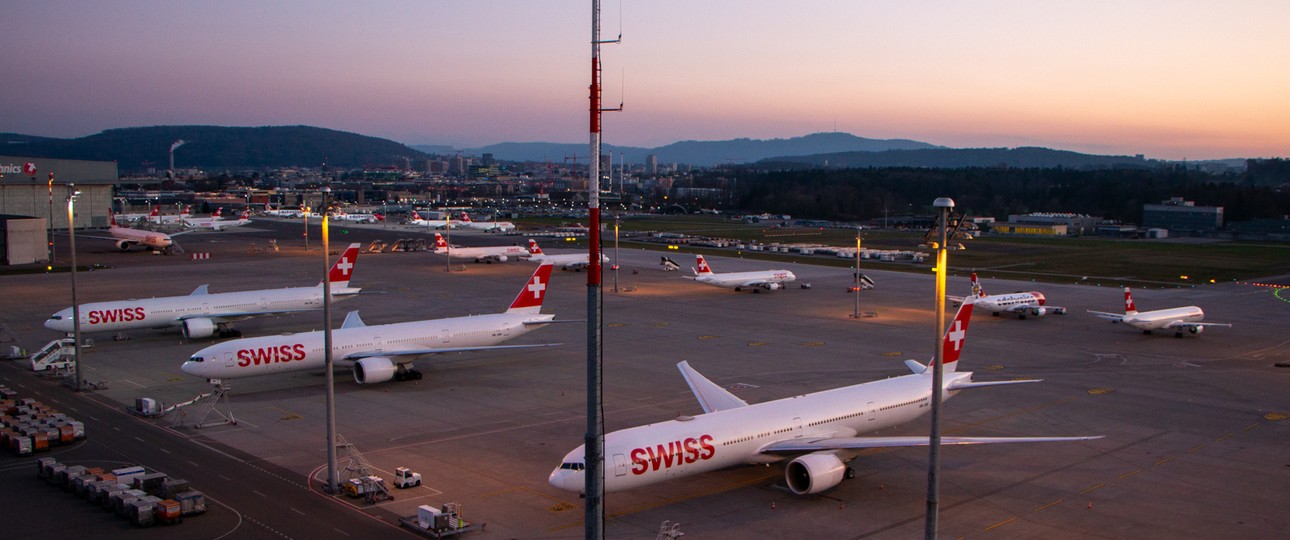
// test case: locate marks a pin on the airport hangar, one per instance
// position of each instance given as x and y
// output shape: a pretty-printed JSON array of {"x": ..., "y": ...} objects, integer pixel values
[
  {"x": 1195, "y": 427},
  {"x": 33, "y": 194}
]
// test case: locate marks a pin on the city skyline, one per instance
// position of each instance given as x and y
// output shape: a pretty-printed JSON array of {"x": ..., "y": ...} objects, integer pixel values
[{"x": 1170, "y": 80}]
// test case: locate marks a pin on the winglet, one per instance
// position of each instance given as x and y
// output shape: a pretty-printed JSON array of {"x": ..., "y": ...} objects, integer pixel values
[
  {"x": 712, "y": 397},
  {"x": 534, "y": 291},
  {"x": 343, "y": 268},
  {"x": 352, "y": 320}
]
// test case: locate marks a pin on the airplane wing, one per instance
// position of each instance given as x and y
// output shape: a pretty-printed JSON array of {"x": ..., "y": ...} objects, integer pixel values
[
  {"x": 1023, "y": 308},
  {"x": 238, "y": 315},
  {"x": 794, "y": 446},
  {"x": 1181, "y": 324},
  {"x": 1113, "y": 317},
  {"x": 419, "y": 352}
]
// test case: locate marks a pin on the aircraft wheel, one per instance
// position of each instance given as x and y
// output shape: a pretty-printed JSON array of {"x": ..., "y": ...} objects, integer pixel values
[
  {"x": 756, "y": 291},
  {"x": 400, "y": 376},
  {"x": 851, "y": 473},
  {"x": 414, "y": 375},
  {"x": 996, "y": 314},
  {"x": 1146, "y": 332},
  {"x": 738, "y": 289}
]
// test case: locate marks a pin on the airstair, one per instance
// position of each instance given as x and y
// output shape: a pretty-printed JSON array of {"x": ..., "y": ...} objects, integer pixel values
[
  {"x": 55, "y": 355},
  {"x": 207, "y": 404},
  {"x": 355, "y": 466}
]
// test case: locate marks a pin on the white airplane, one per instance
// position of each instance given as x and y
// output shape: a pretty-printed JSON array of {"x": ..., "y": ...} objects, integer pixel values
[
  {"x": 382, "y": 352},
  {"x": 217, "y": 223},
  {"x": 760, "y": 279},
  {"x": 131, "y": 218},
  {"x": 360, "y": 217},
  {"x": 486, "y": 254},
  {"x": 820, "y": 432},
  {"x": 158, "y": 218},
  {"x": 569, "y": 261},
  {"x": 203, "y": 314},
  {"x": 1177, "y": 319},
  {"x": 1019, "y": 303},
  {"x": 490, "y": 226},
  {"x": 126, "y": 237},
  {"x": 416, "y": 219},
  {"x": 280, "y": 212}
]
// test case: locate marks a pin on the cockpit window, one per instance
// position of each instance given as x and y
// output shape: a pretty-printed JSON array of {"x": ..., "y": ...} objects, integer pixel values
[
  {"x": 56, "y": 318},
  {"x": 575, "y": 466},
  {"x": 196, "y": 359}
]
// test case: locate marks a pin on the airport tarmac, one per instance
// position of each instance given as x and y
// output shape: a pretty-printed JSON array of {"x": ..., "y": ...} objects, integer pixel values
[{"x": 1195, "y": 429}]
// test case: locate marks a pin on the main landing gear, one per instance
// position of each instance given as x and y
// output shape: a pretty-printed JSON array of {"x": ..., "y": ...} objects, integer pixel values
[{"x": 407, "y": 374}]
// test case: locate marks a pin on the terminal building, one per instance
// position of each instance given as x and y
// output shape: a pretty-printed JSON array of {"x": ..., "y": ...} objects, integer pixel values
[
  {"x": 1047, "y": 224},
  {"x": 33, "y": 201},
  {"x": 1181, "y": 217}
]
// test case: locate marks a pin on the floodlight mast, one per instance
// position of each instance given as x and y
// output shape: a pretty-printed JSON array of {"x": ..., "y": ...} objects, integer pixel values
[
  {"x": 593, "y": 442},
  {"x": 944, "y": 206}
]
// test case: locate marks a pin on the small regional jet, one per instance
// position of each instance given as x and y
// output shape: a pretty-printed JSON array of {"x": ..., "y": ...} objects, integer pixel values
[
  {"x": 434, "y": 223},
  {"x": 381, "y": 352},
  {"x": 486, "y": 254},
  {"x": 1177, "y": 319},
  {"x": 1019, "y": 303},
  {"x": 489, "y": 226},
  {"x": 762, "y": 279},
  {"x": 203, "y": 314},
  {"x": 567, "y": 261},
  {"x": 820, "y": 432},
  {"x": 217, "y": 223}
]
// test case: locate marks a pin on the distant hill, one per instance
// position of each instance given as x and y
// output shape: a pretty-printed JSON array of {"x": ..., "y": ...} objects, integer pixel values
[
  {"x": 216, "y": 147},
  {"x": 945, "y": 158},
  {"x": 704, "y": 153}
]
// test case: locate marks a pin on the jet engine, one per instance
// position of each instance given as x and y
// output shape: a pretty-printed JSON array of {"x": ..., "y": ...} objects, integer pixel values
[
  {"x": 1039, "y": 311},
  {"x": 774, "y": 286},
  {"x": 1195, "y": 329},
  {"x": 199, "y": 328},
  {"x": 501, "y": 258},
  {"x": 124, "y": 245},
  {"x": 814, "y": 473},
  {"x": 377, "y": 369}
]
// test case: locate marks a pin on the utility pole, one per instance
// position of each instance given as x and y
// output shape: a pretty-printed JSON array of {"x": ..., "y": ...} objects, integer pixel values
[
  {"x": 333, "y": 474},
  {"x": 944, "y": 206}
]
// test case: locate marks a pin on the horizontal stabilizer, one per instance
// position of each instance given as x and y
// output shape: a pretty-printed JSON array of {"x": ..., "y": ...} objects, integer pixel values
[
  {"x": 201, "y": 289},
  {"x": 554, "y": 321},
  {"x": 961, "y": 385},
  {"x": 859, "y": 443},
  {"x": 711, "y": 396},
  {"x": 352, "y": 320},
  {"x": 916, "y": 366},
  {"x": 418, "y": 352},
  {"x": 1108, "y": 316}
]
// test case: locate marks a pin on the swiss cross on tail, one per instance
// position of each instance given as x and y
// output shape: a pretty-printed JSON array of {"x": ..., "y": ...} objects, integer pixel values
[
  {"x": 530, "y": 297},
  {"x": 156, "y": 210},
  {"x": 956, "y": 335},
  {"x": 1128, "y": 302},
  {"x": 439, "y": 243},
  {"x": 533, "y": 247},
  {"x": 344, "y": 266},
  {"x": 465, "y": 217},
  {"x": 703, "y": 265}
]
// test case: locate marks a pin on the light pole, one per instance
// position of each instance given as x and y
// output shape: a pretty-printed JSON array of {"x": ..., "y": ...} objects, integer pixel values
[
  {"x": 76, "y": 307},
  {"x": 305, "y": 213},
  {"x": 51, "y": 218},
  {"x": 856, "y": 315},
  {"x": 332, "y": 473},
  {"x": 615, "y": 253},
  {"x": 944, "y": 206}
]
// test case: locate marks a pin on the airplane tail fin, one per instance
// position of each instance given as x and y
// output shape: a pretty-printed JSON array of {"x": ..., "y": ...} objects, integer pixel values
[
  {"x": 533, "y": 247},
  {"x": 219, "y": 212},
  {"x": 534, "y": 291},
  {"x": 156, "y": 211},
  {"x": 956, "y": 334},
  {"x": 440, "y": 245},
  {"x": 112, "y": 218},
  {"x": 465, "y": 218},
  {"x": 415, "y": 215},
  {"x": 343, "y": 268},
  {"x": 703, "y": 269},
  {"x": 1129, "y": 307},
  {"x": 977, "y": 289}
]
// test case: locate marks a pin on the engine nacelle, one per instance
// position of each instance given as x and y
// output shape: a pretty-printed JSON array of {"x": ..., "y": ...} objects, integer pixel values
[
  {"x": 814, "y": 473},
  {"x": 1039, "y": 311},
  {"x": 774, "y": 286},
  {"x": 501, "y": 258},
  {"x": 1195, "y": 329},
  {"x": 124, "y": 245},
  {"x": 199, "y": 328},
  {"x": 377, "y": 369}
]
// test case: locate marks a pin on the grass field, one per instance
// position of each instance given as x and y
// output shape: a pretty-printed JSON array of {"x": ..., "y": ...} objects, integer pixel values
[{"x": 1173, "y": 262}]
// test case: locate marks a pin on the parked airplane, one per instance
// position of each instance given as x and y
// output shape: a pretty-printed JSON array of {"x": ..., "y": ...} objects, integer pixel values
[
  {"x": 1020, "y": 303},
  {"x": 203, "y": 314},
  {"x": 281, "y": 212},
  {"x": 820, "y": 432},
  {"x": 162, "y": 219},
  {"x": 490, "y": 226},
  {"x": 416, "y": 219},
  {"x": 1177, "y": 319},
  {"x": 131, "y": 218},
  {"x": 382, "y": 352},
  {"x": 486, "y": 254},
  {"x": 126, "y": 237},
  {"x": 360, "y": 217},
  {"x": 569, "y": 261},
  {"x": 216, "y": 223},
  {"x": 761, "y": 279}
]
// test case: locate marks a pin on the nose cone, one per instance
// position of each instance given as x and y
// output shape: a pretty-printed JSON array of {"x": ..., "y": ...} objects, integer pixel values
[
  {"x": 570, "y": 476},
  {"x": 61, "y": 321},
  {"x": 1039, "y": 297}
]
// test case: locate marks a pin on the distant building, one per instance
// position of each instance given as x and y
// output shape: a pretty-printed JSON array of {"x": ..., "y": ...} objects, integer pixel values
[
  {"x": 651, "y": 164},
  {"x": 1048, "y": 224},
  {"x": 1182, "y": 217}
]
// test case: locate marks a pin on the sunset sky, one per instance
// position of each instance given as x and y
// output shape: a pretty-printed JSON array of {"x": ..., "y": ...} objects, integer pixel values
[{"x": 1176, "y": 79}]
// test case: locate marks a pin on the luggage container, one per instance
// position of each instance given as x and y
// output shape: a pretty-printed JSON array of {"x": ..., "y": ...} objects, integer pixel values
[
  {"x": 21, "y": 445},
  {"x": 97, "y": 489},
  {"x": 167, "y": 512},
  {"x": 64, "y": 477},
  {"x": 79, "y": 483},
  {"x": 78, "y": 429},
  {"x": 150, "y": 483},
  {"x": 43, "y": 465},
  {"x": 66, "y": 435},
  {"x": 39, "y": 441},
  {"x": 126, "y": 475},
  {"x": 119, "y": 499},
  {"x": 191, "y": 502},
  {"x": 111, "y": 494},
  {"x": 140, "y": 511},
  {"x": 55, "y": 470},
  {"x": 172, "y": 487}
]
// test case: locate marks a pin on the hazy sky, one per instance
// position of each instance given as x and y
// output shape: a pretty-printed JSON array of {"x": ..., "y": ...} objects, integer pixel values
[{"x": 1171, "y": 79}]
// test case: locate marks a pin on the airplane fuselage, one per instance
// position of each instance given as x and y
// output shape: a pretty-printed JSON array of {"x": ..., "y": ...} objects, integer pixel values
[
  {"x": 127, "y": 236},
  {"x": 303, "y": 351},
  {"x": 653, "y": 453},
  {"x": 171, "y": 311},
  {"x": 732, "y": 280},
  {"x": 486, "y": 252},
  {"x": 1163, "y": 318}
]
